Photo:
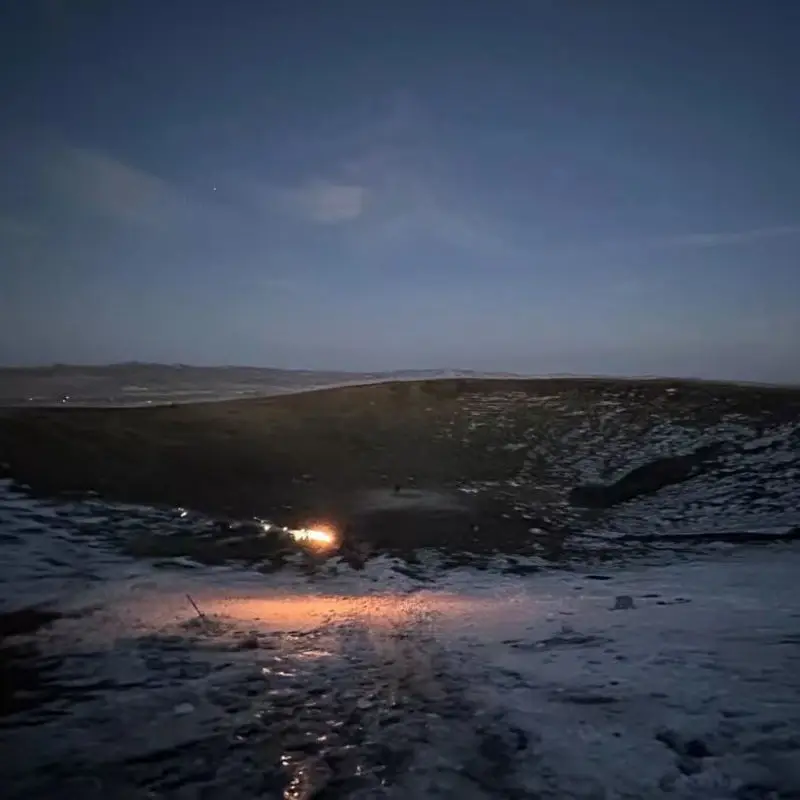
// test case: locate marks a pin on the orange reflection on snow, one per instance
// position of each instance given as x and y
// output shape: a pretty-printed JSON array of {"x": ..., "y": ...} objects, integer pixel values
[
  {"x": 298, "y": 611},
  {"x": 158, "y": 604}
]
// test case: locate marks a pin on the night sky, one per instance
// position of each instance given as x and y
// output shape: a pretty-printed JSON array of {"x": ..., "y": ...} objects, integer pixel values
[{"x": 525, "y": 185}]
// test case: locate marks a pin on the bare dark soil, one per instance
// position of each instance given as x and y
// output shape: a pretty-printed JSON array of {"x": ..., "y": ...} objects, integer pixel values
[{"x": 292, "y": 458}]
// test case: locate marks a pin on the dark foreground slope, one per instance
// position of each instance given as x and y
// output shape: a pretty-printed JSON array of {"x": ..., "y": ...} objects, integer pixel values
[
  {"x": 534, "y": 457},
  {"x": 297, "y": 676}
]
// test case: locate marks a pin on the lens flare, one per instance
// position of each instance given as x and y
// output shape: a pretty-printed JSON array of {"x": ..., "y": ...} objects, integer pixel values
[{"x": 319, "y": 536}]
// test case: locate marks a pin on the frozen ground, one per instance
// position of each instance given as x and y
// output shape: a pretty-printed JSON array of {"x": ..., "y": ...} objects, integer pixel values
[
  {"x": 751, "y": 484},
  {"x": 675, "y": 676}
]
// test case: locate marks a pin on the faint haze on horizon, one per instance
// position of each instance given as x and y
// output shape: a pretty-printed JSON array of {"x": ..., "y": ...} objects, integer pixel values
[{"x": 535, "y": 186}]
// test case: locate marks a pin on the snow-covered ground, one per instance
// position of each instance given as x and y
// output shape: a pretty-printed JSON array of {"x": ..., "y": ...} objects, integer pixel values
[
  {"x": 675, "y": 676},
  {"x": 753, "y": 485}
]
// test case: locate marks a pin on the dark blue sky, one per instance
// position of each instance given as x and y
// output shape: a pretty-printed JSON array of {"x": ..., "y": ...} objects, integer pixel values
[{"x": 532, "y": 185}]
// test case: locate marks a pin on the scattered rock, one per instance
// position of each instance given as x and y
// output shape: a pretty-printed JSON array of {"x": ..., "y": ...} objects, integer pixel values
[
  {"x": 25, "y": 621},
  {"x": 647, "y": 479},
  {"x": 586, "y": 699},
  {"x": 691, "y": 748},
  {"x": 183, "y": 708},
  {"x": 696, "y": 748},
  {"x": 623, "y": 603}
]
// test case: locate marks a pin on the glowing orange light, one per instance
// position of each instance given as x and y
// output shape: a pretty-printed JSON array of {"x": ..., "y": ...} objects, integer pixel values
[{"x": 319, "y": 536}]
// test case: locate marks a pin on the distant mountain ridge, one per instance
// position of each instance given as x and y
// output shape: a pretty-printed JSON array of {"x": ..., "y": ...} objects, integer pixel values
[
  {"x": 143, "y": 383},
  {"x": 136, "y": 383},
  {"x": 115, "y": 365}
]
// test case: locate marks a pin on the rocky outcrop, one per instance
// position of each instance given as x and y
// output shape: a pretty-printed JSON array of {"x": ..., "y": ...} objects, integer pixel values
[{"x": 646, "y": 479}]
